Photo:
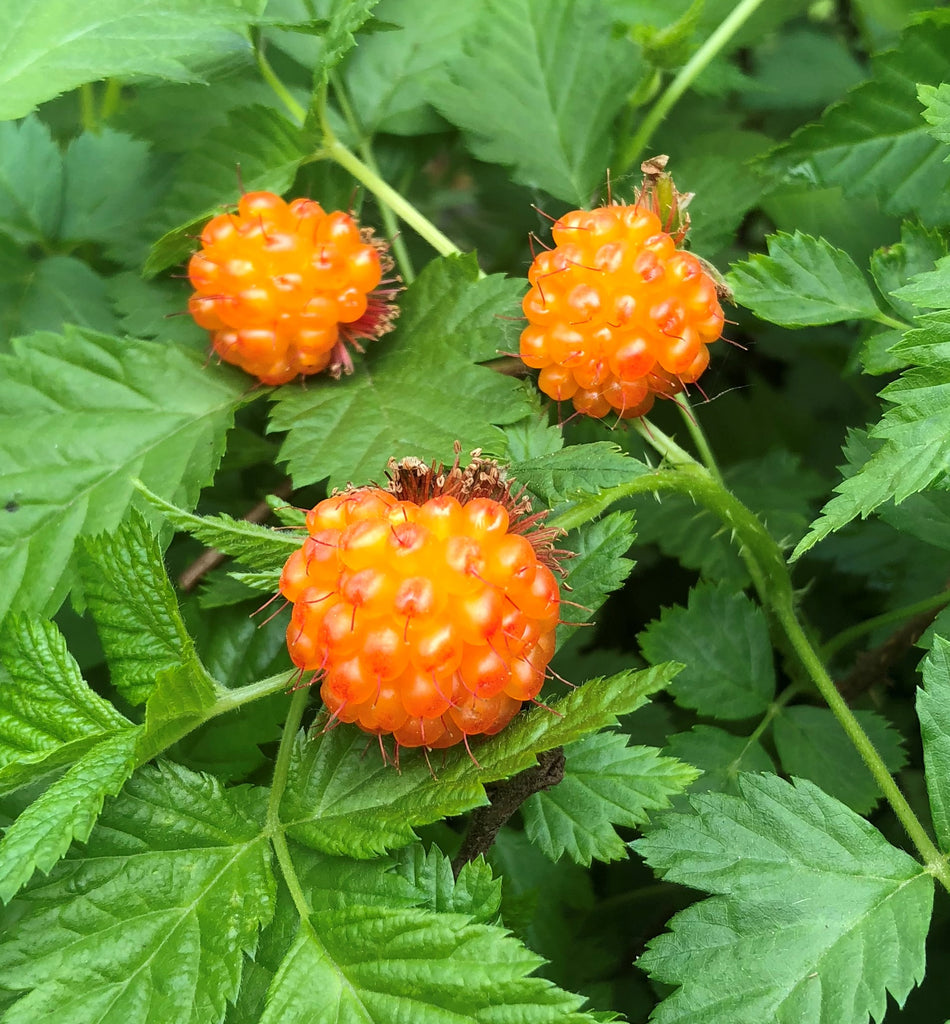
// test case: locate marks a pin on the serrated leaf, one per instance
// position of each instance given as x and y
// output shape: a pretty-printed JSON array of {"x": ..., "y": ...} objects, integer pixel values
[
  {"x": 173, "y": 884},
  {"x": 802, "y": 281},
  {"x": 723, "y": 639},
  {"x": 416, "y": 391},
  {"x": 31, "y": 180},
  {"x": 933, "y": 710},
  {"x": 258, "y": 148},
  {"x": 606, "y": 783},
  {"x": 599, "y": 568},
  {"x": 894, "y": 266},
  {"x": 815, "y": 916},
  {"x": 66, "y": 811},
  {"x": 929, "y": 289},
  {"x": 578, "y": 469},
  {"x": 538, "y": 89},
  {"x": 339, "y": 802},
  {"x": 376, "y": 963},
  {"x": 135, "y": 608},
  {"x": 391, "y": 76},
  {"x": 812, "y": 745},
  {"x": 875, "y": 142},
  {"x": 80, "y": 415},
  {"x": 48, "y": 49},
  {"x": 151, "y": 309},
  {"x": 936, "y": 103},
  {"x": 722, "y": 757},
  {"x": 475, "y": 893},
  {"x": 253, "y": 544},
  {"x": 910, "y": 446},
  {"x": 48, "y": 715},
  {"x": 110, "y": 184}
]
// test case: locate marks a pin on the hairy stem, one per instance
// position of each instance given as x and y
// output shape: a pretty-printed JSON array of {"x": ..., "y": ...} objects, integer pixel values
[
  {"x": 685, "y": 77},
  {"x": 848, "y": 636}
]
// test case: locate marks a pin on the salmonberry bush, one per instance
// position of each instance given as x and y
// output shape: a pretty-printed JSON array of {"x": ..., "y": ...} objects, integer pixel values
[{"x": 476, "y": 511}]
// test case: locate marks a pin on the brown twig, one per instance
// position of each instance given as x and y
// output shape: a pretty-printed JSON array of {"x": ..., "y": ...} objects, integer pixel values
[
  {"x": 506, "y": 797},
  {"x": 211, "y": 558}
]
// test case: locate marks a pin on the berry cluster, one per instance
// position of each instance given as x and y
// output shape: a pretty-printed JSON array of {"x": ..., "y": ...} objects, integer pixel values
[
  {"x": 429, "y": 608},
  {"x": 282, "y": 286},
  {"x": 616, "y": 313}
]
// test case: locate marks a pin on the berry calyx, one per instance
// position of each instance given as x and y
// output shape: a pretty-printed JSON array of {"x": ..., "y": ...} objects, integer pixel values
[
  {"x": 617, "y": 313},
  {"x": 284, "y": 287},
  {"x": 428, "y": 609}
]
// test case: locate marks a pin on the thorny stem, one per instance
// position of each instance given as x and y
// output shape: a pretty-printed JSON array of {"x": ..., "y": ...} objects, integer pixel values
[
  {"x": 273, "y": 826},
  {"x": 687, "y": 74},
  {"x": 698, "y": 435},
  {"x": 390, "y": 222},
  {"x": 771, "y": 577}
]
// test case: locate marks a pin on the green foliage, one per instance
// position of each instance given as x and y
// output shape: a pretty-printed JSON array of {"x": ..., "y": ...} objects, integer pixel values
[
  {"x": 188, "y": 838},
  {"x": 399, "y": 403},
  {"x": 814, "y": 917},
  {"x": 803, "y": 281}
]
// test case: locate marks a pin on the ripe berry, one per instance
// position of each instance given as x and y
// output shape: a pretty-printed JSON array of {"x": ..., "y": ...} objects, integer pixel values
[
  {"x": 281, "y": 287},
  {"x": 617, "y": 314},
  {"x": 428, "y": 609}
]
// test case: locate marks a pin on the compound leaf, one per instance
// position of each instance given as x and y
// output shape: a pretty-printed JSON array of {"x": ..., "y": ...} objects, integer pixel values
[
  {"x": 416, "y": 391},
  {"x": 538, "y": 88},
  {"x": 148, "y": 923},
  {"x": 606, "y": 783},
  {"x": 31, "y": 179},
  {"x": 578, "y": 469},
  {"x": 723, "y": 639},
  {"x": 815, "y": 916},
  {"x": 475, "y": 893},
  {"x": 722, "y": 757},
  {"x": 802, "y": 281},
  {"x": 81, "y": 414}
]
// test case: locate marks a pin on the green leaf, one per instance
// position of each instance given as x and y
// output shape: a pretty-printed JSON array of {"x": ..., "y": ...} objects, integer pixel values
[
  {"x": 936, "y": 103},
  {"x": 606, "y": 783},
  {"x": 815, "y": 916},
  {"x": 340, "y": 802},
  {"x": 392, "y": 76},
  {"x": 538, "y": 88},
  {"x": 146, "y": 925},
  {"x": 812, "y": 745},
  {"x": 255, "y": 545},
  {"x": 721, "y": 756},
  {"x": 377, "y": 963},
  {"x": 31, "y": 179},
  {"x": 723, "y": 639},
  {"x": 933, "y": 710},
  {"x": 257, "y": 147},
  {"x": 416, "y": 391},
  {"x": 111, "y": 184},
  {"x": 80, "y": 415},
  {"x": 928, "y": 290},
  {"x": 48, "y": 715},
  {"x": 153, "y": 309},
  {"x": 598, "y": 569},
  {"x": 578, "y": 469},
  {"x": 66, "y": 811},
  {"x": 135, "y": 608},
  {"x": 875, "y": 143},
  {"x": 910, "y": 446},
  {"x": 48, "y": 48},
  {"x": 475, "y": 893},
  {"x": 802, "y": 281},
  {"x": 895, "y": 266}
]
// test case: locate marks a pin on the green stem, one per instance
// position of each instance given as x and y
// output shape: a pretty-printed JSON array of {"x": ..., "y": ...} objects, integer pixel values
[
  {"x": 847, "y": 636},
  {"x": 110, "y": 99},
  {"x": 687, "y": 74},
  {"x": 404, "y": 210},
  {"x": 296, "y": 111},
  {"x": 890, "y": 321},
  {"x": 273, "y": 826},
  {"x": 771, "y": 711},
  {"x": 390, "y": 222},
  {"x": 698, "y": 435},
  {"x": 935, "y": 861},
  {"x": 87, "y": 107}
]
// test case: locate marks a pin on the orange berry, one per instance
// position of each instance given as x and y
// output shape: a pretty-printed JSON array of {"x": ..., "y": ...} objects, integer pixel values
[
  {"x": 282, "y": 287},
  {"x": 428, "y": 618}
]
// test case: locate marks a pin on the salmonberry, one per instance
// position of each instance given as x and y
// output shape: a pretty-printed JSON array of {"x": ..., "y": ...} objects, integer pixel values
[
  {"x": 283, "y": 286},
  {"x": 617, "y": 314},
  {"x": 428, "y": 609}
]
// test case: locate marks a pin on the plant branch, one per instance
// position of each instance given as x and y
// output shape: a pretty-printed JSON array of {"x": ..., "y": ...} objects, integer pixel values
[
  {"x": 506, "y": 797},
  {"x": 685, "y": 77},
  {"x": 294, "y": 108},
  {"x": 847, "y": 636}
]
